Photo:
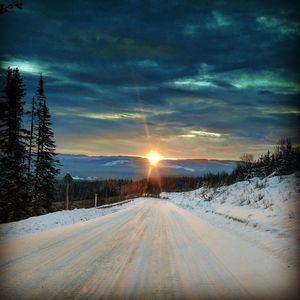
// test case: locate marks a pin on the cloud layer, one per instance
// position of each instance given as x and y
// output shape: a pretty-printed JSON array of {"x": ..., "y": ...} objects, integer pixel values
[{"x": 211, "y": 80}]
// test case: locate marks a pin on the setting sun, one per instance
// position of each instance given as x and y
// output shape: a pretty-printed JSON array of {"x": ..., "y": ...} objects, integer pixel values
[{"x": 154, "y": 157}]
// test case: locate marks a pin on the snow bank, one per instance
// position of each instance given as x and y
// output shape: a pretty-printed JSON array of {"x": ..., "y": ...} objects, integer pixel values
[
  {"x": 266, "y": 203},
  {"x": 269, "y": 206},
  {"x": 263, "y": 211},
  {"x": 56, "y": 219}
]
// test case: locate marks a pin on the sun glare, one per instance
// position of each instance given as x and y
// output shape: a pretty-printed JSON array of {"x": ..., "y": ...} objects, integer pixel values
[{"x": 154, "y": 157}]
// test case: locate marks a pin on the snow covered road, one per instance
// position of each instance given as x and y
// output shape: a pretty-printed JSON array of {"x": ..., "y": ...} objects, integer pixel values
[{"x": 153, "y": 249}]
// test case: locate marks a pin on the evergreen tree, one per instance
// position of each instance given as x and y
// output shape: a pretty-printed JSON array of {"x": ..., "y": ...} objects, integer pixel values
[
  {"x": 32, "y": 135},
  {"x": 13, "y": 143},
  {"x": 46, "y": 164},
  {"x": 32, "y": 149},
  {"x": 287, "y": 165},
  {"x": 272, "y": 163},
  {"x": 267, "y": 164},
  {"x": 279, "y": 155}
]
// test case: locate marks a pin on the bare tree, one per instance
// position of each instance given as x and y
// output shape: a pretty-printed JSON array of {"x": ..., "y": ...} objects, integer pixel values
[
  {"x": 4, "y": 8},
  {"x": 247, "y": 158}
]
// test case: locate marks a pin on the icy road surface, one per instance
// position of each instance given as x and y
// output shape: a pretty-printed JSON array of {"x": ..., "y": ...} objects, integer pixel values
[{"x": 151, "y": 250}]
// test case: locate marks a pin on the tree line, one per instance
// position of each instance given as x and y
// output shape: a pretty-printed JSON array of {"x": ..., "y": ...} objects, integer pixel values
[
  {"x": 86, "y": 190},
  {"x": 284, "y": 160},
  {"x": 28, "y": 166}
]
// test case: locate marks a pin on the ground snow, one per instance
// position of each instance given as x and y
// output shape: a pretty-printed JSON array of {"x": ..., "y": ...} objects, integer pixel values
[
  {"x": 267, "y": 203},
  {"x": 262, "y": 211},
  {"x": 57, "y": 219},
  {"x": 269, "y": 207}
]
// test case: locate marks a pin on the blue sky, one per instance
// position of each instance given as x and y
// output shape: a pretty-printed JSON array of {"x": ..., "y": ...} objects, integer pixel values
[{"x": 192, "y": 79}]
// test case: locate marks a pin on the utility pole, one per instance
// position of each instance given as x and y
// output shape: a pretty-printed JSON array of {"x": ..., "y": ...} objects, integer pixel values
[
  {"x": 96, "y": 199},
  {"x": 68, "y": 180}
]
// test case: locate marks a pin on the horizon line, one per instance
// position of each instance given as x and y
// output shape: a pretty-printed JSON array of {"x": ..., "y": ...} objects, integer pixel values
[{"x": 141, "y": 156}]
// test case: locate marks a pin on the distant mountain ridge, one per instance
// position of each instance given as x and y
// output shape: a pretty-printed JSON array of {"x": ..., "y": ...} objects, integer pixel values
[{"x": 82, "y": 166}]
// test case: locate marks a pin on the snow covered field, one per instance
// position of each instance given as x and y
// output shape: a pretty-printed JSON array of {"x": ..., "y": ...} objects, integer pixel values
[
  {"x": 265, "y": 211},
  {"x": 57, "y": 219}
]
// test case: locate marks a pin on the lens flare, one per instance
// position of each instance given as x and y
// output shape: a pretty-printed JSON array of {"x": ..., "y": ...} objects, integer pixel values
[{"x": 154, "y": 157}]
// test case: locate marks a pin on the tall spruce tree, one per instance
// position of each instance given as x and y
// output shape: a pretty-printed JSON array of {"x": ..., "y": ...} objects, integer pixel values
[
  {"x": 13, "y": 154},
  {"x": 288, "y": 155},
  {"x": 32, "y": 149},
  {"x": 32, "y": 135},
  {"x": 46, "y": 164}
]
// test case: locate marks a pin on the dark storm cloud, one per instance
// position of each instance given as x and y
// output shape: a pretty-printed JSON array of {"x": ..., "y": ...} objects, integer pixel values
[{"x": 214, "y": 66}]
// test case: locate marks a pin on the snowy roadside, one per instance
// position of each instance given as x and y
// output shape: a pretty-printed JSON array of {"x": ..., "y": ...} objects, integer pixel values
[
  {"x": 263, "y": 211},
  {"x": 58, "y": 219}
]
